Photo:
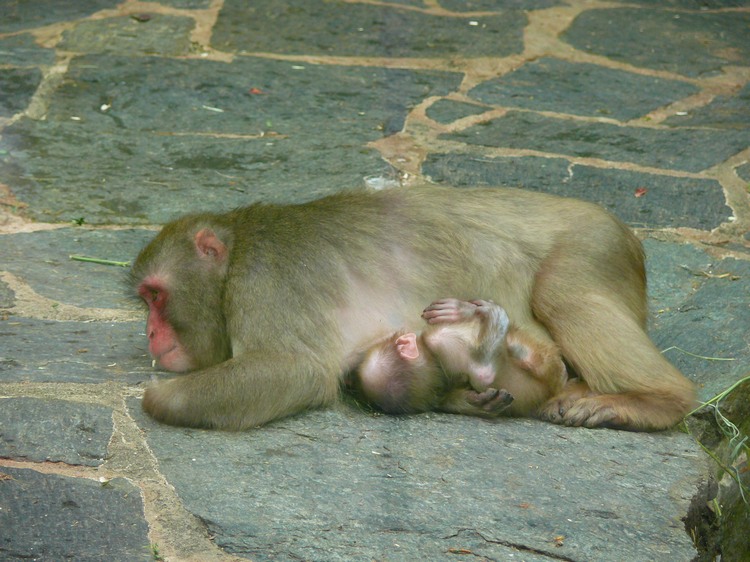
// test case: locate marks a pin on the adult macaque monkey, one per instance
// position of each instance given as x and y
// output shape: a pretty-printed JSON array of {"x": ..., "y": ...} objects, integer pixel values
[
  {"x": 469, "y": 360},
  {"x": 270, "y": 305}
]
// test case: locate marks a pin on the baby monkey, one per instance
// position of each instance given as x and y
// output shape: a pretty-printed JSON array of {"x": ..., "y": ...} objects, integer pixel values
[{"x": 469, "y": 360}]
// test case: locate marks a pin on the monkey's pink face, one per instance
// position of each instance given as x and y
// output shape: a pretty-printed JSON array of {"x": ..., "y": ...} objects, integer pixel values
[{"x": 163, "y": 343}]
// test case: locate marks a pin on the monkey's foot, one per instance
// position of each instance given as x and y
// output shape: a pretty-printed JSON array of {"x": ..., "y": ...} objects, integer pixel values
[
  {"x": 626, "y": 410},
  {"x": 593, "y": 411},
  {"x": 568, "y": 407},
  {"x": 492, "y": 400}
]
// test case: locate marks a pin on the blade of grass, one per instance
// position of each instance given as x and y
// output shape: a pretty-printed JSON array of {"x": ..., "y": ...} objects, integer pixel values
[{"x": 100, "y": 261}]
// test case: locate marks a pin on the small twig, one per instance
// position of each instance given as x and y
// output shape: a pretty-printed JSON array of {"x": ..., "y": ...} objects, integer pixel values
[{"x": 100, "y": 261}]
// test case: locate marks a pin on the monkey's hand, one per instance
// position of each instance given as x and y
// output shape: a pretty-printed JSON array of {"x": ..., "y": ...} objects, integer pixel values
[
  {"x": 494, "y": 326},
  {"x": 448, "y": 311},
  {"x": 488, "y": 403},
  {"x": 493, "y": 315},
  {"x": 492, "y": 400}
]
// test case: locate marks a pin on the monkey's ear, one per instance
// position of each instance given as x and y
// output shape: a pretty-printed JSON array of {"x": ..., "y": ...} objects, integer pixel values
[
  {"x": 407, "y": 347},
  {"x": 209, "y": 246}
]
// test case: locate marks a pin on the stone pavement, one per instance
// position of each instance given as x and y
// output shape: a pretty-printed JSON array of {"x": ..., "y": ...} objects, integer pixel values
[{"x": 117, "y": 116}]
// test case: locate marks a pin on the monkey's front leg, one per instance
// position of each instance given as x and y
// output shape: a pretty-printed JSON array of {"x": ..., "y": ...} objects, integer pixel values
[
  {"x": 493, "y": 330},
  {"x": 242, "y": 392},
  {"x": 538, "y": 359}
]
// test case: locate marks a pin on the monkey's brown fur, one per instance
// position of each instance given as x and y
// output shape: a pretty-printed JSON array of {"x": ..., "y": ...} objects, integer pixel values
[{"x": 272, "y": 304}]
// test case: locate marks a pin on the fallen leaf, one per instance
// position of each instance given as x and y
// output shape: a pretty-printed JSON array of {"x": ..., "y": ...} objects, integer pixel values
[{"x": 640, "y": 192}]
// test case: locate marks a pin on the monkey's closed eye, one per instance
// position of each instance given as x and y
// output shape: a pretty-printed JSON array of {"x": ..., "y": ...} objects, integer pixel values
[
  {"x": 152, "y": 296},
  {"x": 149, "y": 295}
]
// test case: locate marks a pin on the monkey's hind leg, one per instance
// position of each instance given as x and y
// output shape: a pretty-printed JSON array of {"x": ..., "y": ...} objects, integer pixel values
[
  {"x": 626, "y": 382},
  {"x": 591, "y": 296}
]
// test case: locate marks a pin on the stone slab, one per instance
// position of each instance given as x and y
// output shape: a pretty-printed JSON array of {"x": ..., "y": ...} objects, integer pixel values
[
  {"x": 90, "y": 352},
  {"x": 209, "y": 143},
  {"x": 498, "y": 5},
  {"x": 702, "y": 310},
  {"x": 187, "y": 4},
  {"x": 17, "y": 85},
  {"x": 7, "y": 295},
  {"x": 68, "y": 432},
  {"x": 550, "y": 84},
  {"x": 691, "y": 150},
  {"x": 671, "y": 270},
  {"x": 166, "y": 35},
  {"x": 415, "y": 3},
  {"x": 28, "y": 15},
  {"x": 21, "y": 50},
  {"x": 692, "y": 4},
  {"x": 337, "y": 28},
  {"x": 667, "y": 202},
  {"x": 343, "y": 484},
  {"x": 40, "y": 256},
  {"x": 448, "y": 111},
  {"x": 687, "y": 43},
  {"x": 49, "y": 517},
  {"x": 724, "y": 112}
]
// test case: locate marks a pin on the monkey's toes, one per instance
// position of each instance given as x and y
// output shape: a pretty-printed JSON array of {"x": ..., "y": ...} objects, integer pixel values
[
  {"x": 554, "y": 410},
  {"x": 593, "y": 412},
  {"x": 589, "y": 412}
]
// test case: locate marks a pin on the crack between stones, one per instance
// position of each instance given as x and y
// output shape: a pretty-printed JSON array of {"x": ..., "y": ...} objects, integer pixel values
[{"x": 517, "y": 546}]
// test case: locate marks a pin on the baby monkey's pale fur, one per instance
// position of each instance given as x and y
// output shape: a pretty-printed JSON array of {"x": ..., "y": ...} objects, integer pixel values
[{"x": 469, "y": 360}]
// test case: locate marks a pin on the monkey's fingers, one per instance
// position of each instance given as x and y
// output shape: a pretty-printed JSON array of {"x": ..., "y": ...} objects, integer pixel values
[
  {"x": 435, "y": 317},
  {"x": 447, "y": 311},
  {"x": 491, "y": 311},
  {"x": 480, "y": 302},
  {"x": 556, "y": 407},
  {"x": 492, "y": 400}
]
